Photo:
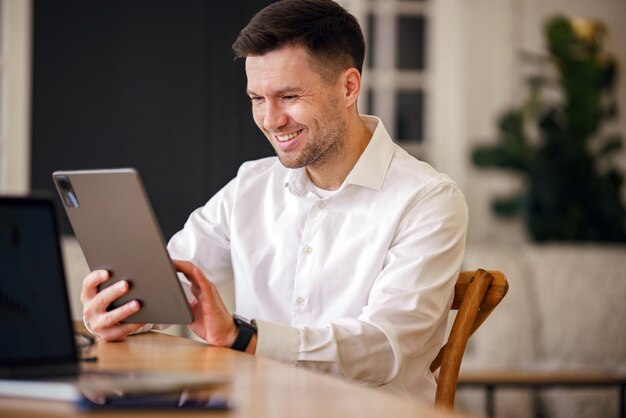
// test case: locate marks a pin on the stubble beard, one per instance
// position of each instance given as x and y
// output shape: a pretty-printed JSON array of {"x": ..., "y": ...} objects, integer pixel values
[
  {"x": 320, "y": 150},
  {"x": 325, "y": 143}
]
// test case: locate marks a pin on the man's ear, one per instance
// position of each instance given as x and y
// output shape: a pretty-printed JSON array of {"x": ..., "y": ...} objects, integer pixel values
[{"x": 351, "y": 80}]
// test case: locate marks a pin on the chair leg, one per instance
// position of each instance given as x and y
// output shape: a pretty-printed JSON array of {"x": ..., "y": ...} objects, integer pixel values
[
  {"x": 457, "y": 340},
  {"x": 622, "y": 401},
  {"x": 490, "y": 394}
]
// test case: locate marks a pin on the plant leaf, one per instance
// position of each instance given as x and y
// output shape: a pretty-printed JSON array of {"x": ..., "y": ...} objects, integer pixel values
[{"x": 508, "y": 207}]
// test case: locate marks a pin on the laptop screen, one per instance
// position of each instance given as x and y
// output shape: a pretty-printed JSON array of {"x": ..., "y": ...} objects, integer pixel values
[{"x": 36, "y": 336}]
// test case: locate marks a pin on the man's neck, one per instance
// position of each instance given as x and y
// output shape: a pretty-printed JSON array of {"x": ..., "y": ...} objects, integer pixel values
[{"x": 331, "y": 175}]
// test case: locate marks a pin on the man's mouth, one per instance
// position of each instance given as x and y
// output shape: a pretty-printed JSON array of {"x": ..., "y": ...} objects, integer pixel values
[{"x": 289, "y": 136}]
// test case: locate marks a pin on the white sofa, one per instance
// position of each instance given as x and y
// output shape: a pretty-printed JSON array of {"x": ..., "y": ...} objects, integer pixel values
[{"x": 565, "y": 310}]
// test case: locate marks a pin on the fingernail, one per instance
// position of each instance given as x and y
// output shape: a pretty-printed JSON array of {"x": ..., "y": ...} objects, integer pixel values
[
  {"x": 121, "y": 284},
  {"x": 103, "y": 274}
]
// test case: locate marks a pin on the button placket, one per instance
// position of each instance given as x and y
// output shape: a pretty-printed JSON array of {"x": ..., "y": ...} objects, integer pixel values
[{"x": 305, "y": 271}]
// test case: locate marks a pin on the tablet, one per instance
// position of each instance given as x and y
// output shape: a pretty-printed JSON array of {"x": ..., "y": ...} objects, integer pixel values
[{"x": 115, "y": 225}]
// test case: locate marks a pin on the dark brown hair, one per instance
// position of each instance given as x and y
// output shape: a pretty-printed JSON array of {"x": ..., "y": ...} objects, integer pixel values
[{"x": 331, "y": 35}]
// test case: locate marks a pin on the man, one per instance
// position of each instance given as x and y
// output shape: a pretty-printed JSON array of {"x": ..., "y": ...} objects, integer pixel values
[{"x": 343, "y": 248}]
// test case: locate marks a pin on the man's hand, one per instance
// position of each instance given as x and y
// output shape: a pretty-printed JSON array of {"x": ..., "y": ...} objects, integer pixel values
[
  {"x": 102, "y": 323},
  {"x": 212, "y": 321}
]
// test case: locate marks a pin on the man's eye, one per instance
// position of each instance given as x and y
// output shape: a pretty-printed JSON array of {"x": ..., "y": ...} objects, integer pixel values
[
  {"x": 290, "y": 97},
  {"x": 256, "y": 99}
]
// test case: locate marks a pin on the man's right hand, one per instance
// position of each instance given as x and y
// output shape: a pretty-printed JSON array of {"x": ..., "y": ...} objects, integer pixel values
[{"x": 102, "y": 323}]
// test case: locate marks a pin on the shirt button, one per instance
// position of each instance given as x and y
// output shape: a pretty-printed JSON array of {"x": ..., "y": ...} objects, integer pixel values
[
  {"x": 307, "y": 250},
  {"x": 321, "y": 204},
  {"x": 300, "y": 301}
]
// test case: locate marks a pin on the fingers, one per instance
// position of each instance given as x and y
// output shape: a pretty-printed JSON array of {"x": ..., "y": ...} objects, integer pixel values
[
  {"x": 106, "y": 324},
  {"x": 91, "y": 283},
  {"x": 119, "y": 332},
  {"x": 212, "y": 321},
  {"x": 100, "y": 302},
  {"x": 117, "y": 315},
  {"x": 199, "y": 283},
  {"x": 192, "y": 272}
]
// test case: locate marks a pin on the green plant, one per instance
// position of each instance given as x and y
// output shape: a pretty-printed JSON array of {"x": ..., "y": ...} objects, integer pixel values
[{"x": 573, "y": 188}]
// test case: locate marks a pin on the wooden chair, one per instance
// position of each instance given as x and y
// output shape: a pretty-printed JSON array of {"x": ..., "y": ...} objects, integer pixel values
[{"x": 476, "y": 294}]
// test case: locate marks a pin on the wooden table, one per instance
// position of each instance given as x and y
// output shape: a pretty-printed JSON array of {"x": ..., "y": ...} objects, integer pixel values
[
  {"x": 259, "y": 387},
  {"x": 537, "y": 380}
]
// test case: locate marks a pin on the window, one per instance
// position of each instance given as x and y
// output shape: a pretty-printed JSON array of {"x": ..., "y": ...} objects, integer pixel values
[{"x": 394, "y": 79}]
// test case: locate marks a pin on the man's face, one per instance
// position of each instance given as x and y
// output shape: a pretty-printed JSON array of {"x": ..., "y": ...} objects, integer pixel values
[{"x": 299, "y": 112}]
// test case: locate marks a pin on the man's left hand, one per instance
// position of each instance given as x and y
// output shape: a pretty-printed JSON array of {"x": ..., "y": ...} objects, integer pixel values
[{"x": 212, "y": 321}]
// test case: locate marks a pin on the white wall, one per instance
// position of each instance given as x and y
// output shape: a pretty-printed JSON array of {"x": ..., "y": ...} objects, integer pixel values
[
  {"x": 15, "y": 70},
  {"x": 476, "y": 47}
]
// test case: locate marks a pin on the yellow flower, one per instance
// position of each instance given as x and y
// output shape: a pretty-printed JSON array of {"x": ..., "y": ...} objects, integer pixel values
[{"x": 586, "y": 30}]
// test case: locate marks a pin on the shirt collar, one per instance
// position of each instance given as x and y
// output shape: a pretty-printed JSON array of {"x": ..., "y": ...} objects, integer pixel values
[
  {"x": 369, "y": 171},
  {"x": 371, "y": 168},
  {"x": 297, "y": 181}
]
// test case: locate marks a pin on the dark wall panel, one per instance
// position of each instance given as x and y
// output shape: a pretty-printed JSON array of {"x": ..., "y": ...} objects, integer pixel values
[{"x": 150, "y": 84}]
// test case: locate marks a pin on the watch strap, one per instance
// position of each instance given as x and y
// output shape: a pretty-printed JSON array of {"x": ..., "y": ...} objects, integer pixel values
[{"x": 246, "y": 329}]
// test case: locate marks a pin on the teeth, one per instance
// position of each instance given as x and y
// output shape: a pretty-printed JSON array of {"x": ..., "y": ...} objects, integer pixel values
[{"x": 283, "y": 138}]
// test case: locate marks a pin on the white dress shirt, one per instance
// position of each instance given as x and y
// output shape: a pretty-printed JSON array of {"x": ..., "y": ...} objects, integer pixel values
[{"x": 357, "y": 283}]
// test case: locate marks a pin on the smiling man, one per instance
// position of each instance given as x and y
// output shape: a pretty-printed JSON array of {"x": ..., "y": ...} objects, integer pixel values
[
  {"x": 343, "y": 249},
  {"x": 309, "y": 118}
]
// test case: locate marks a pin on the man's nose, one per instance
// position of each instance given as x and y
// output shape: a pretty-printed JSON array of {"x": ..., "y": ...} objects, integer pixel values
[{"x": 274, "y": 117}]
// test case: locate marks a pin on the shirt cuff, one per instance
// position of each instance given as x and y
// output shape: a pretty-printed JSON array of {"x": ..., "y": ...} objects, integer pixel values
[{"x": 277, "y": 342}]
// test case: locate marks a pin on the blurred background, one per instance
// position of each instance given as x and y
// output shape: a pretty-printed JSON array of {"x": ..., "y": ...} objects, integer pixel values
[{"x": 517, "y": 100}]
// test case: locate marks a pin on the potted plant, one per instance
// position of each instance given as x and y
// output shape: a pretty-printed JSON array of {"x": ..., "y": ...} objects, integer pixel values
[
  {"x": 567, "y": 285},
  {"x": 556, "y": 140}
]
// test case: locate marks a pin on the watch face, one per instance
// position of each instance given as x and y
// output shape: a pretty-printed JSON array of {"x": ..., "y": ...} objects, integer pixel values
[{"x": 241, "y": 321}]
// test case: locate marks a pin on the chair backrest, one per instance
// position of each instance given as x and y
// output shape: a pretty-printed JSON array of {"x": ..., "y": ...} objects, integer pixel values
[{"x": 476, "y": 294}]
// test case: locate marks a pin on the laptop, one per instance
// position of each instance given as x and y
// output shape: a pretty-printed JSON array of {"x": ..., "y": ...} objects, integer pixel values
[{"x": 38, "y": 353}]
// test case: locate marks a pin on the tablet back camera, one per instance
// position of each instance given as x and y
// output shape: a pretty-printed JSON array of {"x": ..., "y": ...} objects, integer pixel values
[{"x": 67, "y": 191}]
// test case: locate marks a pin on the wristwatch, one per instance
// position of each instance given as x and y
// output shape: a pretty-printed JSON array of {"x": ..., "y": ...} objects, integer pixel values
[{"x": 247, "y": 328}]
